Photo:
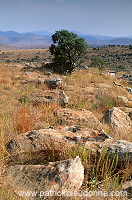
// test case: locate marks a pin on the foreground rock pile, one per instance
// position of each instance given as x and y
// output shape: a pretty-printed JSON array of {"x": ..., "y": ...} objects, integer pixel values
[{"x": 62, "y": 175}]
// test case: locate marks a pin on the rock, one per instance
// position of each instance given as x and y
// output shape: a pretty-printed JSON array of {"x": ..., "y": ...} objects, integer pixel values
[
  {"x": 82, "y": 67},
  {"x": 127, "y": 77},
  {"x": 122, "y": 99},
  {"x": 125, "y": 101},
  {"x": 119, "y": 120},
  {"x": 125, "y": 109},
  {"x": 122, "y": 148},
  {"x": 112, "y": 73},
  {"x": 130, "y": 115},
  {"x": 60, "y": 139},
  {"x": 37, "y": 140},
  {"x": 63, "y": 99},
  {"x": 63, "y": 176},
  {"x": 46, "y": 96},
  {"x": 77, "y": 117},
  {"x": 48, "y": 73},
  {"x": 129, "y": 89},
  {"x": 53, "y": 82},
  {"x": 127, "y": 187}
]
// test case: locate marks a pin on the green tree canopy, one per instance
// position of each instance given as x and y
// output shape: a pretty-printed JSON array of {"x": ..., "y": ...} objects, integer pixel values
[{"x": 68, "y": 50}]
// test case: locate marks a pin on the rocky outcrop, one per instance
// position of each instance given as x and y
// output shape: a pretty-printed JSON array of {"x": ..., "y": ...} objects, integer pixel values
[
  {"x": 119, "y": 120},
  {"x": 64, "y": 138},
  {"x": 77, "y": 117},
  {"x": 46, "y": 96},
  {"x": 44, "y": 139},
  {"x": 60, "y": 177},
  {"x": 53, "y": 82}
]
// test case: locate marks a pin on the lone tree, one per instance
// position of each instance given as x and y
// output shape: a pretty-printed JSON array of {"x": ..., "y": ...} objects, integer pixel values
[{"x": 68, "y": 51}]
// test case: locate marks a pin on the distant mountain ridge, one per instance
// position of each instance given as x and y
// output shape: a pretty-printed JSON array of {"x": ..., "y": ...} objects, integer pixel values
[{"x": 35, "y": 38}]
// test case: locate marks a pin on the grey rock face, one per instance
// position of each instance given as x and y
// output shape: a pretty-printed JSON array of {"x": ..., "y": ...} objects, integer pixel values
[
  {"x": 123, "y": 149},
  {"x": 62, "y": 176},
  {"x": 119, "y": 120}
]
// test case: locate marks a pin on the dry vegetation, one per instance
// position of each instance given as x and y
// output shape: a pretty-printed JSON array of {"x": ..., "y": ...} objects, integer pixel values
[
  {"x": 113, "y": 55},
  {"x": 89, "y": 89}
]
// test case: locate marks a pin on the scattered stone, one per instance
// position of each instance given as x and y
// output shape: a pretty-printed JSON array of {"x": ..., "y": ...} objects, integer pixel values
[
  {"x": 112, "y": 73},
  {"x": 82, "y": 67},
  {"x": 77, "y": 117},
  {"x": 130, "y": 115},
  {"x": 48, "y": 73},
  {"x": 53, "y": 82},
  {"x": 125, "y": 101},
  {"x": 127, "y": 77},
  {"x": 119, "y": 120},
  {"x": 129, "y": 89},
  {"x": 122, "y": 99},
  {"x": 118, "y": 84},
  {"x": 46, "y": 96},
  {"x": 63, "y": 176}
]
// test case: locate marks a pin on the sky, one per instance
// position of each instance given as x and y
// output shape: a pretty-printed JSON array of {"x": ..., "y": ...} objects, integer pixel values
[{"x": 103, "y": 17}]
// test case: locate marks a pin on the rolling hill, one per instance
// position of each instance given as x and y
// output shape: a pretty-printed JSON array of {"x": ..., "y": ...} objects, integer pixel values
[{"x": 43, "y": 39}]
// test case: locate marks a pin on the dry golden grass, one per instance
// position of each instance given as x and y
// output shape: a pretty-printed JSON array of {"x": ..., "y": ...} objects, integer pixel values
[{"x": 86, "y": 89}]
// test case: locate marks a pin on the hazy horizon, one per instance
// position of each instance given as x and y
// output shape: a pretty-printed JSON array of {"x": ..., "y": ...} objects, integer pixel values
[{"x": 100, "y": 17}]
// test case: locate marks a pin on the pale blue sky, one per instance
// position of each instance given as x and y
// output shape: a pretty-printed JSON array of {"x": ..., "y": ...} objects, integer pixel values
[{"x": 106, "y": 17}]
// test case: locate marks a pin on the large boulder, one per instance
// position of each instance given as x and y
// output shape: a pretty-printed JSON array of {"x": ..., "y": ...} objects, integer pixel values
[
  {"x": 61, "y": 139},
  {"x": 77, "y": 117},
  {"x": 56, "y": 178},
  {"x": 46, "y": 96},
  {"x": 119, "y": 120},
  {"x": 45, "y": 139}
]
